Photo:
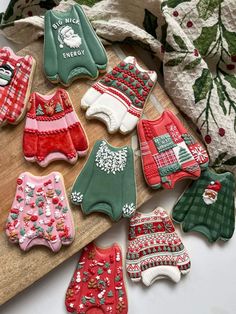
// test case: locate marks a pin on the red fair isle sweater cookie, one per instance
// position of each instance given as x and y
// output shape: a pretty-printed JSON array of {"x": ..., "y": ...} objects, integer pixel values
[
  {"x": 155, "y": 251},
  {"x": 97, "y": 286},
  {"x": 53, "y": 130},
  {"x": 169, "y": 153},
  {"x": 119, "y": 97}
]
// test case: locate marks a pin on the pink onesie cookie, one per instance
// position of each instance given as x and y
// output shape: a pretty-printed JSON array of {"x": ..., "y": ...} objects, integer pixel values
[{"x": 40, "y": 213}]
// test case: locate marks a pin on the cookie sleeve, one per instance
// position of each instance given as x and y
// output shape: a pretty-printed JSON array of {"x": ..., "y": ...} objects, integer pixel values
[
  {"x": 50, "y": 52},
  {"x": 30, "y": 136},
  {"x": 228, "y": 222},
  {"x": 129, "y": 187},
  {"x": 133, "y": 265},
  {"x": 13, "y": 229},
  {"x": 82, "y": 182}
]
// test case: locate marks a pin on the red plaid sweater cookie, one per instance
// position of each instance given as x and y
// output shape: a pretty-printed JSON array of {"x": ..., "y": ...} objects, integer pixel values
[
  {"x": 169, "y": 153},
  {"x": 155, "y": 250},
  {"x": 16, "y": 74},
  {"x": 53, "y": 130}
]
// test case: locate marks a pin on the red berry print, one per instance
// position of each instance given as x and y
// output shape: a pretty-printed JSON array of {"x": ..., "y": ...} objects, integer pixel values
[
  {"x": 30, "y": 13},
  {"x": 233, "y": 58},
  {"x": 175, "y": 13},
  {"x": 189, "y": 24},
  {"x": 230, "y": 66},
  {"x": 221, "y": 131},
  {"x": 162, "y": 49},
  {"x": 196, "y": 53},
  {"x": 208, "y": 139},
  {"x": 34, "y": 218},
  {"x": 19, "y": 181},
  {"x": 55, "y": 200}
]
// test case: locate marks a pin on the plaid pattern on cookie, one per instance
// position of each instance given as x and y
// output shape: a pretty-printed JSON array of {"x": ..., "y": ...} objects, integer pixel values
[
  {"x": 214, "y": 220},
  {"x": 13, "y": 96}
]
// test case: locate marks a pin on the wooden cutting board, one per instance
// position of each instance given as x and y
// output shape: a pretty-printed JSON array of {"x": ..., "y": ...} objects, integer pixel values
[{"x": 19, "y": 270}]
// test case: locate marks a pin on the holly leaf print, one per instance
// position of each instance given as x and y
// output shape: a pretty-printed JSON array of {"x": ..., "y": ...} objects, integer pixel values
[
  {"x": 202, "y": 85},
  {"x": 219, "y": 159},
  {"x": 174, "y": 62},
  {"x": 179, "y": 41},
  {"x": 206, "y": 38},
  {"x": 231, "y": 79},
  {"x": 150, "y": 23},
  {"x": 192, "y": 64},
  {"x": 174, "y": 3},
  {"x": 230, "y": 162},
  {"x": 221, "y": 96},
  {"x": 207, "y": 7},
  {"x": 230, "y": 38}
]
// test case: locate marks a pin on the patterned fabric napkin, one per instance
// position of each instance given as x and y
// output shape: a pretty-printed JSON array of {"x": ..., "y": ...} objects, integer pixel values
[{"x": 195, "y": 40}]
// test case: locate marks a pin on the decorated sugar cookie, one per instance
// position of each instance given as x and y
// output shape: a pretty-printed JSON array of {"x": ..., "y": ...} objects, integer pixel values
[
  {"x": 97, "y": 285},
  {"x": 155, "y": 250},
  {"x": 207, "y": 206},
  {"x": 53, "y": 130},
  {"x": 16, "y": 74},
  {"x": 169, "y": 153},
  {"x": 119, "y": 97},
  {"x": 106, "y": 184},
  {"x": 40, "y": 213},
  {"x": 71, "y": 47}
]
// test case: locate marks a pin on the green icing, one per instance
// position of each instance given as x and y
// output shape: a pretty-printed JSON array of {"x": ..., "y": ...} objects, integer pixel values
[
  {"x": 166, "y": 170},
  {"x": 58, "y": 108},
  {"x": 71, "y": 46},
  {"x": 184, "y": 155},
  {"x": 164, "y": 142},
  {"x": 114, "y": 167},
  {"x": 39, "y": 111},
  {"x": 214, "y": 220}
]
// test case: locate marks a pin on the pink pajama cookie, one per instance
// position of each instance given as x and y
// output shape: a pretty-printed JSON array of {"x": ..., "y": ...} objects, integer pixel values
[{"x": 40, "y": 213}]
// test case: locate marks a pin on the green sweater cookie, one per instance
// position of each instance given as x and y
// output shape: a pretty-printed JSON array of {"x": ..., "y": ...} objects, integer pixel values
[
  {"x": 106, "y": 184},
  {"x": 71, "y": 47},
  {"x": 207, "y": 206}
]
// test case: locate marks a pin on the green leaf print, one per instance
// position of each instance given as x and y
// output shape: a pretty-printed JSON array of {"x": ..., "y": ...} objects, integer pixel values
[
  {"x": 206, "y": 39},
  {"x": 221, "y": 96},
  {"x": 174, "y": 3},
  {"x": 219, "y": 159},
  {"x": 231, "y": 79},
  {"x": 230, "y": 38},
  {"x": 202, "y": 85},
  {"x": 207, "y": 7},
  {"x": 174, "y": 62},
  {"x": 192, "y": 64},
  {"x": 230, "y": 162},
  {"x": 179, "y": 41},
  {"x": 150, "y": 23}
]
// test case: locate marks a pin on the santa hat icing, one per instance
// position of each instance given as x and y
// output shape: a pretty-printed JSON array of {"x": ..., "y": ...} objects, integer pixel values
[{"x": 215, "y": 186}]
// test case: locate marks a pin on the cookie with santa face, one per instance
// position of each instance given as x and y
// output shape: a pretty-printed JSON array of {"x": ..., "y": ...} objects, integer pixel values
[
  {"x": 71, "y": 47},
  {"x": 211, "y": 192}
]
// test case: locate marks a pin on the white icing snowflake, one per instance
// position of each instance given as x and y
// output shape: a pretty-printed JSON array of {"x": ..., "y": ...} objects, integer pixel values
[
  {"x": 77, "y": 197},
  {"x": 199, "y": 154},
  {"x": 128, "y": 210},
  {"x": 110, "y": 161},
  {"x": 71, "y": 305}
]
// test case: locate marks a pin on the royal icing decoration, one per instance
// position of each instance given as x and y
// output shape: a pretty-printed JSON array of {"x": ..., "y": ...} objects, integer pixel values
[
  {"x": 155, "y": 250},
  {"x": 106, "y": 183},
  {"x": 168, "y": 152},
  {"x": 98, "y": 283},
  {"x": 71, "y": 47},
  {"x": 53, "y": 130},
  {"x": 16, "y": 75},
  {"x": 207, "y": 206},
  {"x": 119, "y": 97},
  {"x": 42, "y": 217}
]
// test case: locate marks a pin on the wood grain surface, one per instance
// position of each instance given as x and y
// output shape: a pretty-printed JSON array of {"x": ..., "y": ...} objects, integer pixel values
[{"x": 18, "y": 269}]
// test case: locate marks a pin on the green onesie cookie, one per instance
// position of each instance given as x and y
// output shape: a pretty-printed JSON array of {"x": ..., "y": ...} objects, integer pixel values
[
  {"x": 106, "y": 184},
  {"x": 71, "y": 47}
]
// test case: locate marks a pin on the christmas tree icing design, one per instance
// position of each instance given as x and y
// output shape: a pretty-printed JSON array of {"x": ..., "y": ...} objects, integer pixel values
[
  {"x": 184, "y": 155},
  {"x": 39, "y": 111},
  {"x": 58, "y": 108}
]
